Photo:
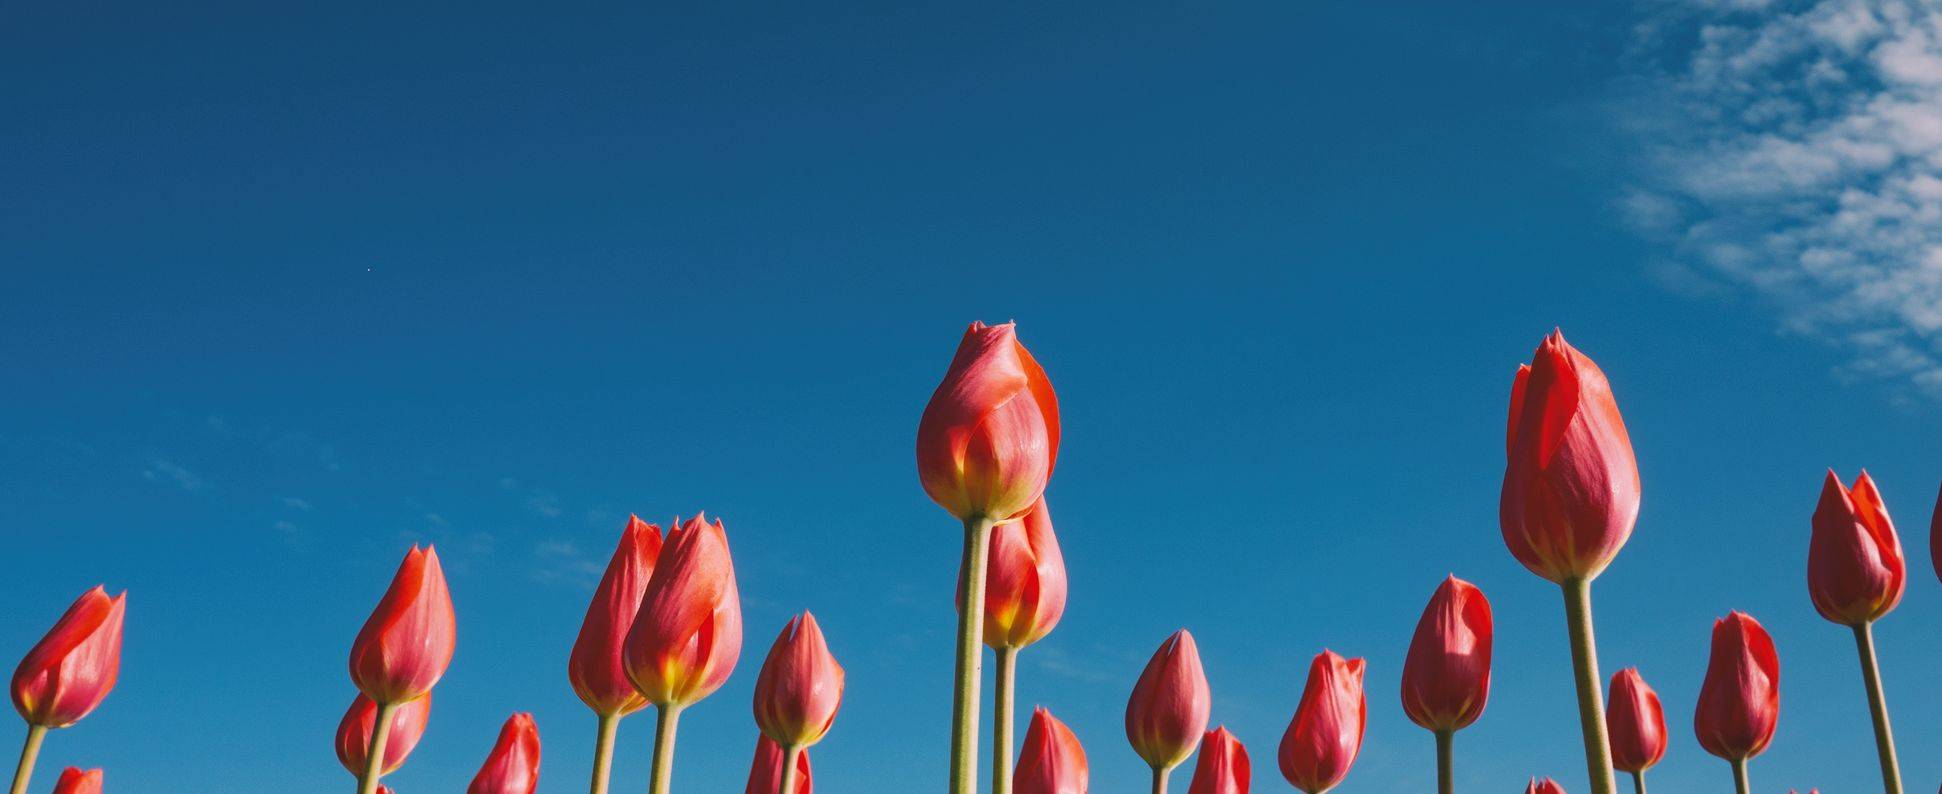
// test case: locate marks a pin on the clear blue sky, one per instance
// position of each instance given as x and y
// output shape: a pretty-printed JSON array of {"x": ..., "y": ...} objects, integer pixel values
[{"x": 286, "y": 291}]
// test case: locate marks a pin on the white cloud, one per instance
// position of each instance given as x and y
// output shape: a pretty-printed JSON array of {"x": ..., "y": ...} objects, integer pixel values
[{"x": 160, "y": 470}]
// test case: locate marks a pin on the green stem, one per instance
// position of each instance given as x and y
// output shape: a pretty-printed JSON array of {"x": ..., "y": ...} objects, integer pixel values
[
  {"x": 603, "y": 752},
  {"x": 1446, "y": 762},
  {"x": 1638, "y": 782},
  {"x": 788, "y": 784},
  {"x": 1739, "y": 777},
  {"x": 970, "y": 653},
  {"x": 667, "y": 720},
  {"x": 367, "y": 783},
  {"x": 1001, "y": 720},
  {"x": 1591, "y": 700},
  {"x": 1160, "y": 779},
  {"x": 29, "y": 752},
  {"x": 1891, "y": 769}
]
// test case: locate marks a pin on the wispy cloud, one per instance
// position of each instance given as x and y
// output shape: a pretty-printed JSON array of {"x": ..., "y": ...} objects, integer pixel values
[
  {"x": 560, "y": 560},
  {"x": 296, "y": 503},
  {"x": 1794, "y": 150},
  {"x": 168, "y": 471}
]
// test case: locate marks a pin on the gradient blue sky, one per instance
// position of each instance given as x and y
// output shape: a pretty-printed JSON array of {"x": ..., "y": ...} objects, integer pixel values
[{"x": 286, "y": 291}]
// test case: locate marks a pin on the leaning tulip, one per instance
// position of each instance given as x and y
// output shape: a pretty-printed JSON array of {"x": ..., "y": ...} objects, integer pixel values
[
  {"x": 1545, "y": 786},
  {"x": 1935, "y": 535},
  {"x": 1637, "y": 725},
  {"x": 1739, "y": 704},
  {"x": 69, "y": 672},
  {"x": 596, "y": 669},
  {"x": 513, "y": 765},
  {"x": 1446, "y": 677},
  {"x": 800, "y": 688},
  {"x": 1223, "y": 766},
  {"x": 765, "y": 773},
  {"x": 1570, "y": 497},
  {"x": 1326, "y": 733},
  {"x": 1052, "y": 762},
  {"x": 1024, "y": 598},
  {"x": 1856, "y": 574},
  {"x": 76, "y": 781},
  {"x": 407, "y": 643},
  {"x": 1169, "y": 708},
  {"x": 688, "y": 634},
  {"x": 407, "y": 726}
]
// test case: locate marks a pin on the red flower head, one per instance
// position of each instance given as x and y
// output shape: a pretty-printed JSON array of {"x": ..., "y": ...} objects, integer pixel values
[
  {"x": 800, "y": 687},
  {"x": 1446, "y": 678},
  {"x": 408, "y": 722},
  {"x": 595, "y": 668},
  {"x": 1739, "y": 704},
  {"x": 688, "y": 634},
  {"x": 76, "y": 781},
  {"x": 1571, "y": 488},
  {"x": 1326, "y": 733},
  {"x": 408, "y": 641},
  {"x": 1545, "y": 786},
  {"x": 765, "y": 773},
  {"x": 1052, "y": 761},
  {"x": 513, "y": 766},
  {"x": 1025, "y": 585},
  {"x": 1636, "y": 723},
  {"x": 1855, "y": 568},
  {"x": 74, "y": 666},
  {"x": 990, "y": 435},
  {"x": 1168, "y": 710},
  {"x": 1935, "y": 535},
  {"x": 1223, "y": 766}
]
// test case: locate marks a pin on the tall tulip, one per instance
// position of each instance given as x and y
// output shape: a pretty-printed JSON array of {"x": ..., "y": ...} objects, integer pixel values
[
  {"x": 1446, "y": 678},
  {"x": 1326, "y": 733},
  {"x": 1570, "y": 497},
  {"x": 1052, "y": 762},
  {"x": 78, "y": 781},
  {"x": 688, "y": 635},
  {"x": 1739, "y": 704},
  {"x": 404, "y": 646},
  {"x": 513, "y": 765},
  {"x": 765, "y": 772},
  {"x": 1025, "y": 591},
  {"x": 1169, "y": 707},
  {"x": 986, "y": 445},
  {"x": 1935, "y": 535},
  {"x": 595, "y": 667},
  {"x": 1545, "y": 786},
  {"x": 1637, "y": 724},
  {"x": 1223, "y": 766},
  {"x": 1856, "y": 573},
  {"x": 798, "y": 692},
  {"x": 68, "y": 673},
  {"x": 407, "y": 726}
]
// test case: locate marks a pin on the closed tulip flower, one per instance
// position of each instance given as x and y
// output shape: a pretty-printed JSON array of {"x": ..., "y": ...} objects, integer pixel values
[
  {"x": 513, "y": 766},
  {"x": 407, "y": 643},
  {"x": 800, "y": 687},
  {"x": 1168, "y": 711},
  {"x": 1739, "y": 703},
  {"x": 1637, "y": 724},
  {"x": 765, "y": 773},
  {"x": 1855, "y": 569},
  {"x": 1326, "y": 733},
  {"x": 408, "y": 723},
  {"x": 77, "y": 781},
  {"x": 1545, "y": 786},
  {"x": 1052, "y": 761},
  {"x": 989, "y": 437},
  {"x": 1935, "y": 535},
  {"x": 1025, "y": 585},
  {"x": 1446, "y": 678},
  {"x": 1223, "y": 766},
  {"x": 73, "y": 668},
  {"x": 688, "y": 634},
  {"x": 595, "y": 667}
]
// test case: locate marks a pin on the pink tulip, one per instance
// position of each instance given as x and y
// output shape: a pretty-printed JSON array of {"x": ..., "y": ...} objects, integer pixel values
[
  {"x": 800, "y": 687},
  {"x": 408, "y": 641},
  {"x": 1223, "y": 765},
  {"x": 1326, "y": 734},
  {"x": 596, "y": 668},
  {"x": 513, "y": 765},
  {"x": 1169, "y": 708},
  {"x": 73, "y": 668}
]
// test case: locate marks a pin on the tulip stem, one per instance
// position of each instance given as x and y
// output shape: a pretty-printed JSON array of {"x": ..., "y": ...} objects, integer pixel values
[
  {"x": 1160, "y": 779},
  {"x": 970, "y": 653},
  {"x": 1446, "y": 762},
  {"x": 1591, "y": 701},
  {"x": 789, "y": 761},
  {"x": 367, "y": 783},
  {"x": 1891, "y": 770},
  {"x": 1003, "y": 701},
  {"x": 25, "y": 770},
  {"x": 667, "y": 720},
  {"x": 1638, "y": 782},
  {"x": 603, "y": 752},
  {"x": 1739, "y": 777}
]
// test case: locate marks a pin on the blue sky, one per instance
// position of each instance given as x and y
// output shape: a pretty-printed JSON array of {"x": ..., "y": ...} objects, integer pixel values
[{"x": 289, "y": 290}]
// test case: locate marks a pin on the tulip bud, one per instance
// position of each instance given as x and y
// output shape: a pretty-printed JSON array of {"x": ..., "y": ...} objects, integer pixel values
[
  {"x": 384, "y": 789},
  {"x": 1935, "y": 535},
  {"x": 1545, "y": 786},
  {"x": 989, "y": 437},
  {"x": 513, "y": 766},
  {"x": 1446, "y": 678},
  {"x": 72, "y": 668},
  {"x": 800, "y": 687},
  {"x": 1223, "y": 766},
  {"x": 1571, "y": 487},
  {"x": 1855, "y": 569},
  {"x": 1739, "y": 704},
  {"x": 407, "y": 643},
  {"x": 408, "y": 722},
  {"x": 1636, "y": 723},
  {"x": 1326, "y": 733},
  {"x": 1052, "y": 761},
  {"x": 599, "y": 677},
  {"x": 75, "y": 781},
  {"x": 1169, "y": 708},
  {"x": 765, "y": 773},
  {"x": 688, "y": 633},
  {"x": 1025, "y": 584}
]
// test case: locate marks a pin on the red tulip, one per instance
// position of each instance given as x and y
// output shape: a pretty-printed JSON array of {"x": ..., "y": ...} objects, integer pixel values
[
  {"x": 595, "y": 668},
  {"x": 1446, "y": 678},
  {"x": 408, "y": 722},
  {"x": 72, "y": 668},
  {"x": 688, "y": 634},
  {"x": 407, "y": 643},
  {"x": 1571, "y": 488},
  {"x": 513, "y": 766},
  {"x": 989, "y": 437},
  {"x": 1025, "y": 583},
  {"x": 1935, "y": 535},
  {"x": 1223, "y": 766},
  {"x": 765, "y": 774},
  {"x": 800, "y": 687},
  {"x": 1636, "y": 723},
  {"x": 1326, "y": 733},
  {"x": 1545, "y": 786},
  {"x": 1052, "y": 762},
  {"x": 1739, "y": 704},
  {"x": 1855, "y": 569},
  {"x": 1168, "y": 710},
  {"x": 75, "y": 781},
  {"x": 384, "y": 789}
]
